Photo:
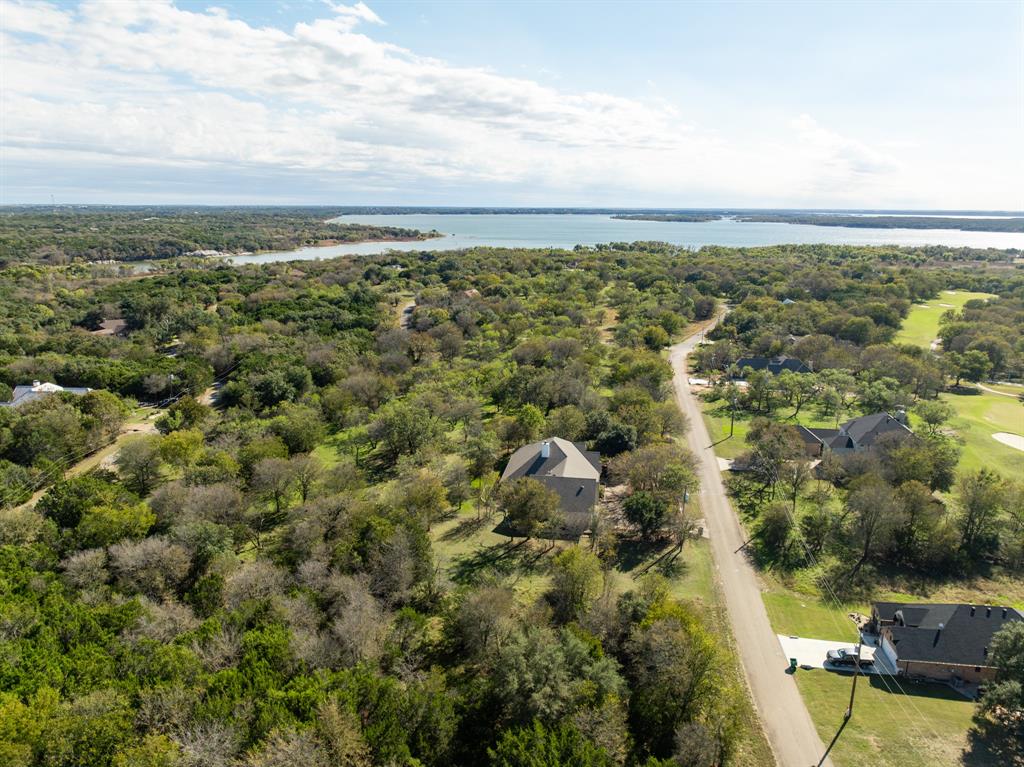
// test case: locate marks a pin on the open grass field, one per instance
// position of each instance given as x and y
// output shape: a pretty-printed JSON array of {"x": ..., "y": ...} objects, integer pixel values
[
  {"x": 921, "y": 326},
  {"x": 978, "y": 417}
]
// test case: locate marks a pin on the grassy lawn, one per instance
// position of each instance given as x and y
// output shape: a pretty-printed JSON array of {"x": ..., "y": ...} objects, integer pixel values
[
  {"x": 806, "y": 615},
  {"x": 921, "y": 326},
  {"x": 929, "y": 724},
  {"x": 978, "y": 417}
]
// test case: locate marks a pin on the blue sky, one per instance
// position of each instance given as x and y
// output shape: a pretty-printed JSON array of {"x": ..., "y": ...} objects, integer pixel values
[{"x": 869, "y": 105}]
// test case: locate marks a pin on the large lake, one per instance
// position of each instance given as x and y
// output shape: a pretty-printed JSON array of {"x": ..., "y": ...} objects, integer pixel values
[{"x": 565, "y": 231}]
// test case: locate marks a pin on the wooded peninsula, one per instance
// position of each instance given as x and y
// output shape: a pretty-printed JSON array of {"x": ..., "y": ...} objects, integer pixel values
[{"x": 98, "y": 233}]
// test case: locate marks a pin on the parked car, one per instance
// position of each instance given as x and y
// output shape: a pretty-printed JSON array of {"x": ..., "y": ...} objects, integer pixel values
[{"x": 846, "y": 656}]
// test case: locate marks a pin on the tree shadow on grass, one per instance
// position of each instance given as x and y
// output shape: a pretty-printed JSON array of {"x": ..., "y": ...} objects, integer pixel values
[
  {"x": 466, "y": 528},
  {"x": 989, "y": 745},
  {"x": 634, "y": 552},
  {"x": 638, "y": 557},
  {"x": 500, "y": 559}
]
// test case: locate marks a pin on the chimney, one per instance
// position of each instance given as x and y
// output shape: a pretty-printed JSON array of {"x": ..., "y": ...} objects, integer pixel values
[
  {"x": 545, "y": 449},
  {"x": 36, "y": 383}
]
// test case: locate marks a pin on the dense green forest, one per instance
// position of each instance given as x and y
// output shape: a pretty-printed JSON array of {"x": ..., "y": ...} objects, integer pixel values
[
  {"x": 256, "y": 579},
  {"x": 96, "y": 233}
]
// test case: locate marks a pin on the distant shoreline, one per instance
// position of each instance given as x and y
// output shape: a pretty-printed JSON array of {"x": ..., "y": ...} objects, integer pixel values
[{"x": 861, "y": 221}]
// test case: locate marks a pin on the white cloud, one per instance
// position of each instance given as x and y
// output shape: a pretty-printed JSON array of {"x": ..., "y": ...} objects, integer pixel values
[{"x": 145, "y": 82}]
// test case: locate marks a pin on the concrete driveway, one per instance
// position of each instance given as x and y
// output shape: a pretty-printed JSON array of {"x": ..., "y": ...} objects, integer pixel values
[{"x": 811, "y": 652}]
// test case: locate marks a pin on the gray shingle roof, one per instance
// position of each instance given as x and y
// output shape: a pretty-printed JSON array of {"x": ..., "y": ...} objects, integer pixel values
[
  {"x": 773, "y": 365},
  {"x": 566, "y": 460},
  {"x": 570, "y": 470},
  {"x": 867, "y": 429},
  {"x": 964, "y": 638}
]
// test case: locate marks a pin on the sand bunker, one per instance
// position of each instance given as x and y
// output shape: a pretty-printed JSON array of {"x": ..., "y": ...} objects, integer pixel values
[{"x": 1013, "y": 440}]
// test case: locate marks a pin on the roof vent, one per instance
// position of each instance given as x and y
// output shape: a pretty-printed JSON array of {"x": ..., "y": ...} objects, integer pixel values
[
  {"x": 545, "y": 449},
  {"x": 1005, "y": 610},
  {"x": 988, "y": 612},
  {"x": 36, "y": 383},
  {"x": 972, "y": 611}
]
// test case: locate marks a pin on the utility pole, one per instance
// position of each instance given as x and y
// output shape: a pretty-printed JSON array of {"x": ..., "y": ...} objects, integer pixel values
[
  {"x": 849, "y": 712},
  {"x": 732, "y": 415}
]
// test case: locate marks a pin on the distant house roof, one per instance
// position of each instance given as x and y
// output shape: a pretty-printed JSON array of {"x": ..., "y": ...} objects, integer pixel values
[
  {"x": 37, "y": 390},
  {"x": 570, "y": 470},
  {"x": 944, "y": 633},
  {"x": 773, "y": 365},
  {"x": 866, "y": 430}
]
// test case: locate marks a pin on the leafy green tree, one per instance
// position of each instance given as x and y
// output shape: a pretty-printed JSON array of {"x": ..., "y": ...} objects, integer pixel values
[
  {"x": 576, "y": 580},
  {"x": 67, "y": 501},
  {"x": 104, "y": 525},
  {"x": 674, "y": 665},
  {"x": 933, "y": 413},
  {"x": 185, "y": 413},
  {"x": 529, "y": 506},
  {"x": 617, "y": 438},
  {"x": 973, "y": 365},
  {"x": 538, "y": 746},
  {"x": 1004, "y": 699},
  {"x": 181, "y": 448},
  {"x": 875, "y": 513},
  {"x": 140, "y": 464},
  {"x": 567, "y": 422},
  {"x": 301, "y": 428},
  {"x": 980, "y": 497},
  {"x": 647, "y": 511},
  {"x": 403, "y": 428}
]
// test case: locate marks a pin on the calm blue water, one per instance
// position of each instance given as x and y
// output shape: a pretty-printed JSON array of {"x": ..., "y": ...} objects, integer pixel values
[{"x": 566, "y": 231}]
